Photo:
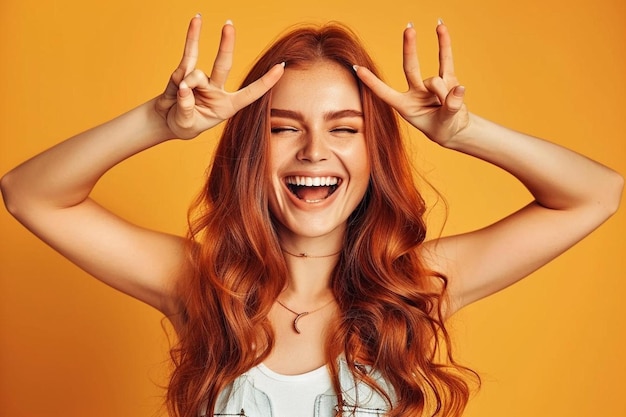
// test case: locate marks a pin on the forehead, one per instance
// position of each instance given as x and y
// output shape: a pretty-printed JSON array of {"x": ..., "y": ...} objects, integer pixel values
[{"x": 323, "y": 86}]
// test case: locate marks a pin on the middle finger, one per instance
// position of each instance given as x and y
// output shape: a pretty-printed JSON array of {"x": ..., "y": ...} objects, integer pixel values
[
  {"x": 446, "y": 63},
  {"x": 190, "y": 55}
]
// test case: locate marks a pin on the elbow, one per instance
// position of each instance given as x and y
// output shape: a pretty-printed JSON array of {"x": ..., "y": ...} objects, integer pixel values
[
  {"x": 613, "y": 196},
  {"x": 7, "y": 188},
  {"x": 14, "y": 195}
]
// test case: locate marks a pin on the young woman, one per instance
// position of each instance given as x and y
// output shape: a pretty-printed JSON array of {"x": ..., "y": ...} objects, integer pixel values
[{"x": 306, "y": 286}]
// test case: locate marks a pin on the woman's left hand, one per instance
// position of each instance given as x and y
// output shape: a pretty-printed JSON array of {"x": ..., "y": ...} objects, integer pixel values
[{"x": 434, "y": 105}]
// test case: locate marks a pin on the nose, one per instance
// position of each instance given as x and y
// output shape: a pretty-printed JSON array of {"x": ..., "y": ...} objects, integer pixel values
[{"x": 313, "y": 148}]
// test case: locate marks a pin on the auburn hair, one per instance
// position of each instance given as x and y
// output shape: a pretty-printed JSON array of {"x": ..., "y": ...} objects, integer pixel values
[{"x": 390, "y": 305}]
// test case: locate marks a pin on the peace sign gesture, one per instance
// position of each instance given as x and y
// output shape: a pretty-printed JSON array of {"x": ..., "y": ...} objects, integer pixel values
[
  {"x": 193, "y": 102},
  {"x": 433, "y": 105}
]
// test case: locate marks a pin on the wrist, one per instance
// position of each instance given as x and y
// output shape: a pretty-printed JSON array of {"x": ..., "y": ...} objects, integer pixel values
[
  {"x": 156, "y": 123},
  {"x": 464, "y": 138}
]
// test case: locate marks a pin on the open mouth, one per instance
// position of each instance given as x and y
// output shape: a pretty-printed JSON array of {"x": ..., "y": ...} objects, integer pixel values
[{"x": 312, "y": 189}]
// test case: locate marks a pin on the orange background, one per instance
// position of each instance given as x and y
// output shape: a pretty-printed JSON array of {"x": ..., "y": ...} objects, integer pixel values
[{"x": 552, "y": 345}]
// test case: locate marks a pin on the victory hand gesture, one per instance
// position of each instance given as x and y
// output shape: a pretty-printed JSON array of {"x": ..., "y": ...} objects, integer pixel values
[
  {"x": 193, "y": 102},
  {"x": 434, "y": 105}
]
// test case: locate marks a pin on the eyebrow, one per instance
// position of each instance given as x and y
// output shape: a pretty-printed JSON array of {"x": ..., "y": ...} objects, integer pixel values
[{"x": 331, "y": 115}]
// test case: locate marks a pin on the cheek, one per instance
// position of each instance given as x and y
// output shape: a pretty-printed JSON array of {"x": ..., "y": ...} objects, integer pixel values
[
  {"x": 273, "y": 182},
  {"x": 360, "y": 180},
  {"x": 361, "y": 163},
  {"x": 365, "y": 171},
  {"x": 279, "y": 153}
]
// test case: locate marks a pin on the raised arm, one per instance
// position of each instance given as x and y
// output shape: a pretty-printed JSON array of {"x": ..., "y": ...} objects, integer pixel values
[
  {"x": 573, "y": 194},
  {"x": 49, "y": 193}
]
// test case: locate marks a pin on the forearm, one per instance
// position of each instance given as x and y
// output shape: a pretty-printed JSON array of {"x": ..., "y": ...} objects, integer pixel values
[
  {"x": 64, "y": 175},
  {"x": 557, "y": 177}
]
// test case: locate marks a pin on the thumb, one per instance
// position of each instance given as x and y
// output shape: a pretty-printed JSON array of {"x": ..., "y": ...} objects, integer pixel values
[{"x": 454, "y": 100}]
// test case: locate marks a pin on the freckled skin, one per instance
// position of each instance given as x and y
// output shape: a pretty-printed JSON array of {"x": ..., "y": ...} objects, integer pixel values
[{"x": 312, "y": 135}]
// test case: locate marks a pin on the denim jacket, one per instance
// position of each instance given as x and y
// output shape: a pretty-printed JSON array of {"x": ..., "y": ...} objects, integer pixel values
[{"x": 241, "y": 398}]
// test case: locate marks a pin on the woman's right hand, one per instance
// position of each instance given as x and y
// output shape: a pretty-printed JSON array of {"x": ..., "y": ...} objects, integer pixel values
[{"x": 193, "y": 102}]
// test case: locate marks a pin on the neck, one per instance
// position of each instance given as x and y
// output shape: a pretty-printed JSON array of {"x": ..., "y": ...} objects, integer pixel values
[{"x": 309, "y": 277}]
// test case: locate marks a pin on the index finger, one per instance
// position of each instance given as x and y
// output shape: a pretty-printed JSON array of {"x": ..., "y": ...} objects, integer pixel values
[
  {"x": 410, "y": 61},
  {"x": 190, "y": 54},
  {"x": 224, "y": 59}
]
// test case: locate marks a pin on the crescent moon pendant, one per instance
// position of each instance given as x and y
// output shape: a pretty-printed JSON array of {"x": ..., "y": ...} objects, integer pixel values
[{"x": 295, "y": 321}]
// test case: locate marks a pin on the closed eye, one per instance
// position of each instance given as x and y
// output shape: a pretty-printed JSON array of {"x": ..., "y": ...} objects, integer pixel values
[
  {"x": 345, "y": 130},
  {"x": 282, "y": 129}
]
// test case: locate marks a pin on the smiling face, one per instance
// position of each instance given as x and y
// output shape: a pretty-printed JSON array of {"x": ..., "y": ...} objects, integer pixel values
[{"x": 319, "y": 165}]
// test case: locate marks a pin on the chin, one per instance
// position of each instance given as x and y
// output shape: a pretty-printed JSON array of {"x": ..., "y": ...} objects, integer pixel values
[{"x": 311, "y": 230}]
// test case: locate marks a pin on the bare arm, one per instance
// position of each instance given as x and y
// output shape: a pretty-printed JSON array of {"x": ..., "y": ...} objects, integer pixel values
[
  {"x": 573, "y": 194},
  {"x": 49, "y": 193}
]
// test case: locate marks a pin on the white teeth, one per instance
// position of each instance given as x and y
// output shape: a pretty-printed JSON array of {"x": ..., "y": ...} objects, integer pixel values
[{"x": 312, "y": 181}]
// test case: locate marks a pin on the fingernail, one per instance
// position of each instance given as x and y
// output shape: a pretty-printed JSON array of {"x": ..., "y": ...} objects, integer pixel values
[
  {"x": 198, "y": 15},
  {"x": 459, "y": 91},
  {"x": 182, "y": 85},
  {"x": 229, "y": 22},
  {"x": 283, "y": 64},
  {"x": 439, "y": 21},
  {"x": 409, "y": 25},
  {"x": 355, "y": 67}
]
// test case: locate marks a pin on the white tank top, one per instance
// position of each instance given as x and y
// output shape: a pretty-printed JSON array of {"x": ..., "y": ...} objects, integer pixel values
[{"x": 291, "y": 395}]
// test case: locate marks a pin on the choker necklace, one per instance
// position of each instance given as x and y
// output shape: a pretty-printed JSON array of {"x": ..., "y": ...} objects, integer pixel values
[
  {"x": 300, "y": 315},
  {"x": 306, "y": 255}
]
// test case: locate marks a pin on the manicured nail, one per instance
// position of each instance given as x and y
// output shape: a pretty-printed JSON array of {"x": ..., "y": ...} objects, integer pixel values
[
  {"x": 283, "y": 64},
  {"x": 198, "y": 15},
  {"x": 439, "y": 21},
  {"x": 182, "y": 85},
  {"x": 355, "y": 67},
  {"x": 409, "y": 25},
  {"x": 459, "y": 91},
  {"x": 229, "y": 22}
]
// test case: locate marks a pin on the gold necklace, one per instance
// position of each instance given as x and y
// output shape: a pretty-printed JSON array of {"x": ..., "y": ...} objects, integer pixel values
[
  {"x": 306, "y": 255},
  {"x": 300, "y": 315}
]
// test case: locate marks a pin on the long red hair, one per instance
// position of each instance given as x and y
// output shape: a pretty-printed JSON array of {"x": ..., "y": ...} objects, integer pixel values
[{"x": 390, "y": 313}]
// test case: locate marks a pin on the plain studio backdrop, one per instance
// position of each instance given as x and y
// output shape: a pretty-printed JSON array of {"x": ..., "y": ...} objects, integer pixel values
[{"x": 552, "y": 345}]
